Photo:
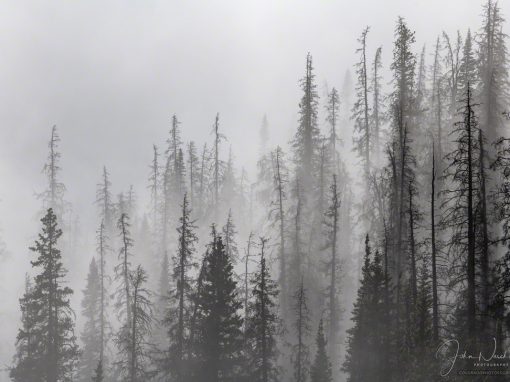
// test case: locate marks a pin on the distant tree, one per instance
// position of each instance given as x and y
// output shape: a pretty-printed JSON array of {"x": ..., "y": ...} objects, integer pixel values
[
  {"x": 332, "y": 107},
  {"x": 53, "y": 196},
  {"x": 305, "y": 142},
  {"x": 331, "y": 223},
  {"x": 300, "y": 349},
  {"x": 123, "y": 269},
  {"x": 361, "y": 110},
  {"x": 262, "y": 324},
  {"x": 132, "y": 337},
  {"x": 321, "y": 367},
  {"x": 47, "y": 351},
  {"x": 91, "y": 335},
  {"x": 180, "y": 311},
  {"x": 104, "y": 201},
  {"x": 229, "y": 237},
  {"x": 377, "y": 104},
  {"x": 193, "y": 173}
]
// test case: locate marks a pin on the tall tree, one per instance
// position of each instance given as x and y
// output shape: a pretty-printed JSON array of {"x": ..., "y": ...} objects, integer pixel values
[
  {"x": 91, "y": 335},
  {"x": 321, "y": 367},
  {"x": 104, "y": 200},
  {"x": 219, "y": 342},
  {"x": 180, "y": 310},
  {"x": 360, "y": 110},
  {"x": 263, "y": 324},
  {"x": 306, "y": 139},
  {"x": 132, "y": 338},
  {"x": 300, "y": 348},
  {"x": 55, "y": 356},
  {"x": 332, "y": 222},
  {"x": 377, "y": 104},
  {"x": 53, "y": 196}
]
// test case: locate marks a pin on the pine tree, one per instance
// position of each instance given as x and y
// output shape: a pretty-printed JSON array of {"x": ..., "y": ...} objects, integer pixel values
[
  {"x": 331, "y": 223},
  {"x": 193, "y": 171},
  {"x": 123, "y": 269},
  {"x": 300, "y": 349},
  {"x": 55, "y": 352},
  {"x": 91, "y": 335},
  {"x": 459, "y": 204},
  {"x": 332, "y": 107},
  {"x": 180, "y": 311},
  {"x": 305, "y": 143},
  {"x": 360, "y": 110},
  {"x": 277, "y": 215},
  {"x": 263, "y": 324},
  {"x": 132, "y": 337},
  {"x": 492, "y": 71},
  {"x": 104, "y": 201},
  {"x": 219, "y": 339},
  {"x": 28, "y": 341},
  {"x": 377, "y": 104},
  {"x": 321, "y": 367},
  {"x": 229, "y": 237},
  {"x": 53, "y": 196}
]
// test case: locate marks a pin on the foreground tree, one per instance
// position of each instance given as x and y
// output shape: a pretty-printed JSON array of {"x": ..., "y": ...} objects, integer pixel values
[
  {"x": 218, "y": 343},
  {"x": 47, "y": 351}
]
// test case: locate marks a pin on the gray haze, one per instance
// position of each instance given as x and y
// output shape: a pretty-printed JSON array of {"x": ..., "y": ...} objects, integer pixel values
[{"x": 110, "y": 74}]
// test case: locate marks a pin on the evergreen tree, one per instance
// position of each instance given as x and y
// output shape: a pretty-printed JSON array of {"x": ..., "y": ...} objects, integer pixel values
[
  {"x": 321, "y": 367},
  {"x": 219, "y": 341},
  {"x": 306, "y": 140},
  {"x": 132, "y": 337},
  {"x": 333, "y": 264},
  {"x": 180, "y": 310},
  {"x": 104, "y": 200},
  {"x": 300, "y": 349},
  {"x": 53, "y": 196},
  {"x": 91, "y": 335},
  {"x": 263, "y": 324},
  {"x": 360, "y": 110},
  {"x": 229, "y": 233},
  {"x": 377, "y": 104},
  {"x": 47, "y": 351}
]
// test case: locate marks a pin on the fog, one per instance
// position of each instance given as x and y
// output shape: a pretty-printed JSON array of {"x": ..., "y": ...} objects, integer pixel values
[{"x": 110, "y": 74}]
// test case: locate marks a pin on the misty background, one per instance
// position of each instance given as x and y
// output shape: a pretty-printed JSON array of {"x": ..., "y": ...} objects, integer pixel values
[{"x": 111, "y": 74}]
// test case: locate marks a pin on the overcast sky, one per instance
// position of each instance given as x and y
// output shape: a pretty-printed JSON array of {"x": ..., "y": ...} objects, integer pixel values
[{"x": 110, "y": 74}]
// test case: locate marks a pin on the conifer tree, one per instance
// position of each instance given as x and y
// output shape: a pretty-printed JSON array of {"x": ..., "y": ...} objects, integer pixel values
[
  {"x": 53, "y": 196},
  {"x": 360, "y": 110},
  {"x": 301, "y": 327},
  {"x": 219, "y": 338},
  {"x": 263, "y": 324},
  {"x": 321, "y": 367},
  {"x": 91, "y": 335},
  {"x": 180, "y": 310},
  {"x": 229, "y": 234},
  {"x": 331, "y": 223},
  {"x": 132, "y": 338},
  {"x": 104, "y": 201},
  {"x": 377, "y": 104},
  {"x": 305, "y": 143},
  {"x": 51, "y": 350}
]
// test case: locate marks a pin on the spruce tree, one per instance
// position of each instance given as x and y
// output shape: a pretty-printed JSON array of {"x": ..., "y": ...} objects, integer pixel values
[
  {"x": 180, "y": 307},
  {"x": 51, "y": 349},
  {"x": 301, "y": 327},
  {"x": 91, "y": 335},
  {"x": 263, "y": 324},
  {"x": 321, "y": 367},
  {"x": 219, "y": 339}
]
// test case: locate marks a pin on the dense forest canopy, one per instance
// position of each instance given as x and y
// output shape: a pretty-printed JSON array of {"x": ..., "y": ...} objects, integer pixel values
[{"x": 360, "y": 247}]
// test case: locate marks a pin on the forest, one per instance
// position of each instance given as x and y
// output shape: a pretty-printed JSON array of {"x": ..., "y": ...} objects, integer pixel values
[{"x": 308, "y": 270}]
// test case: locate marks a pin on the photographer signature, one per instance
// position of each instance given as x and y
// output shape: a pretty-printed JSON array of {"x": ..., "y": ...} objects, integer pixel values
[{"x": 450, "y": 349}]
